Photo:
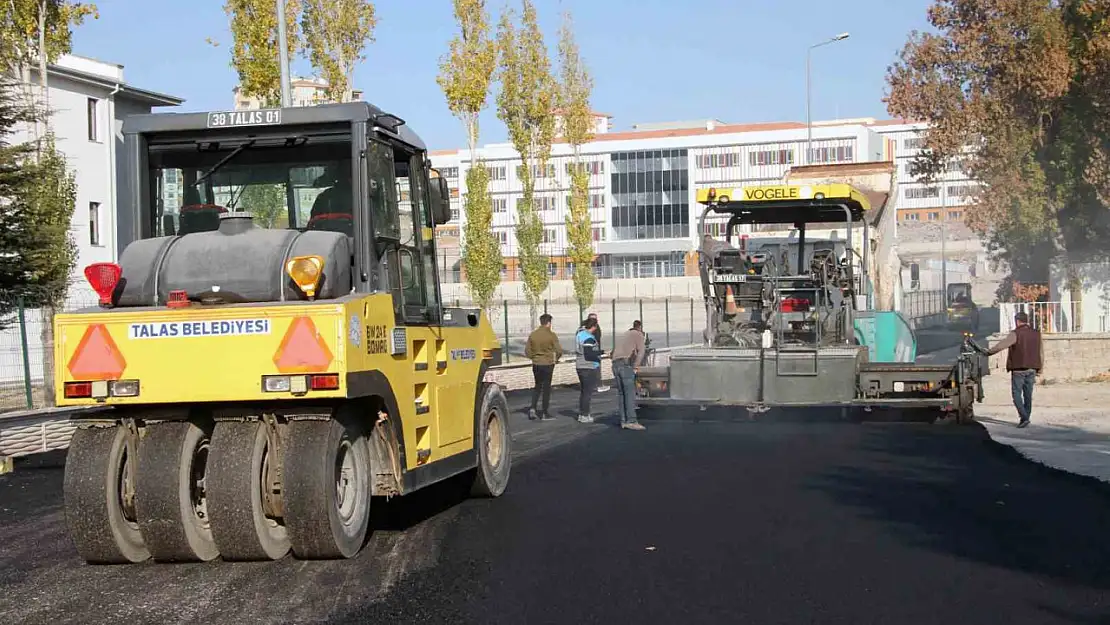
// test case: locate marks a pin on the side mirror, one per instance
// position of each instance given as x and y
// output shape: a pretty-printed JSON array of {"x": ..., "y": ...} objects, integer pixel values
[{"x": 441, "y": 201}]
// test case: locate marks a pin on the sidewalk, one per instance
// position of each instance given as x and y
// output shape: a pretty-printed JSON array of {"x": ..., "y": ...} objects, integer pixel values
[{"x": 1070, "y": 428}]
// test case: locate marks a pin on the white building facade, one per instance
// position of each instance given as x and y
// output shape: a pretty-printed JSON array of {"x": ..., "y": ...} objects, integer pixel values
[
  {"x": 643, "y": 185},
  {"x": 89, "y": 100}
]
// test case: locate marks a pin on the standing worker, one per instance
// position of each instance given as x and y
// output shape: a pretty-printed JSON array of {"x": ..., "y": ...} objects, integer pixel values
[
  {"x": 1023, "y": 362},
  {"x": 601, "y": 388},
  {"x": 544, "y": 350},
  {"x": 588, "y": 366},
  {"x": 627, "y": 356}
]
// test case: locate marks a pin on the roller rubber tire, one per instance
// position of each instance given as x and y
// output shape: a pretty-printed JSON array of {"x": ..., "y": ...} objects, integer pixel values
[
  {"x": 236, "y": 513},
  {"x": 93, "y": 474},
  {"x": 170, "y": 525},
  {"x": 494, "y": 444},
  {"x": 313, "y": 518}
]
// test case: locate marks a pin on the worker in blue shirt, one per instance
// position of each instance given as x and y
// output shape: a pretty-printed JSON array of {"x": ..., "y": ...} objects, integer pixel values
[{"x": 588, "y": 365}]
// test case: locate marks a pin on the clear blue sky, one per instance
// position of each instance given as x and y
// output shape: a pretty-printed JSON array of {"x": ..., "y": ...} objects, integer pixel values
[{"x": 652, "y": 60}]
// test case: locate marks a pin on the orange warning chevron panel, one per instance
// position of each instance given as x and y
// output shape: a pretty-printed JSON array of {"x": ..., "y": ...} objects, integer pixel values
[
  {"x": 96, "y": 356},
  {"x": 302, "y": 349}
]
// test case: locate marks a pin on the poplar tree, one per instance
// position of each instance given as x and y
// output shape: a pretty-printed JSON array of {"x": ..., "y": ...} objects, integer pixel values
[
  {"x": 574, "y": 107},
  {"x": 465, "y": 75},
  {"x": 254, "y": 48},
  {"x": 335, "y": 34},
  {"x": 526, "y": 105}
]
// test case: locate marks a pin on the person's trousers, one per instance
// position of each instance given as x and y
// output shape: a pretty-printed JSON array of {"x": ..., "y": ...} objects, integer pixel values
[
  {"x": 542, "y": 375},
  {"x": 587, "y": 386},
  {"x": 1021, "y": 386},
  {"x": 625, "y": 377}
]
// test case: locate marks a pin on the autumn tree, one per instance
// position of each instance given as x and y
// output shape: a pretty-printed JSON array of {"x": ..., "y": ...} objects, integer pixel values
[
  {"x": 1019, "y": 91},
  {"x": 526, "y": 105},
  {"x": 465, "y": 75},
  {"x": 575, "y": 89},
  {"x": 254, "y": 49},
  {"x": 335, "y": 34}
]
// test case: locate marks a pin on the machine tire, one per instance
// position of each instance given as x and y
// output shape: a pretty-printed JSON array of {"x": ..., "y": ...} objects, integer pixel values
[
  {"x": 493, "y": 444},
  {"x": 238, "y": 518},
  {"x": 96, "y": 466},
  {"x": 313, "y": 515},
  {"x": 170, "y": 497}
]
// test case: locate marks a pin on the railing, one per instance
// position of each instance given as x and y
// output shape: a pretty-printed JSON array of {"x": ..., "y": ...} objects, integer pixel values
[
  {"x": 924, "y": 308},
  {"x": 1058, "y": 317}
]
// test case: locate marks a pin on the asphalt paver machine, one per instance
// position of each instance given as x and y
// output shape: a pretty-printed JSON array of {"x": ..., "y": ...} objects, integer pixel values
[{"x": 795, "y": 328}]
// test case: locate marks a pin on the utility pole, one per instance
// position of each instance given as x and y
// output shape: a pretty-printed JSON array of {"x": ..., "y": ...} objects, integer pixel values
[
  {"x": 283, "y": 57},
  {"x": 809, "y": 116}
]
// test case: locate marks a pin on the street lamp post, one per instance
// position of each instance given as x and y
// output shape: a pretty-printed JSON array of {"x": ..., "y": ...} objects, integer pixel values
[
  {"x": 809, "y": 117},
  {"x": 283, "y": 57}
]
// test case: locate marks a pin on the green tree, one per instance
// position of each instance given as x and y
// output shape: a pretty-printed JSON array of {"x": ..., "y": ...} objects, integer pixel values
[
  {"x": 526, "y": 105},
  {"x": 38, "y": 32},
  {"x": 465, "y": 75},
  {"x": 336, "y": 33},
  {"x": 266, "y": 204},
  {"x": 576, "y": 86},
  {"x": 1025, "y": 83},
  {"x": 16, "y": 178},
  {"x": 254, "y": 50}
]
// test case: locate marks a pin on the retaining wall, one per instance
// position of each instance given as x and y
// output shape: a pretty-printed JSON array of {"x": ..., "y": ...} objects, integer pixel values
[{"x": 1066, "y": 356}]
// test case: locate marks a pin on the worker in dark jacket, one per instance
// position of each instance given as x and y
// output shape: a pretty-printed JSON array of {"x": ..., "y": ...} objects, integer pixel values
[
  {"x": 1023, "y": 362},
  {"x": 544, "y": 350}
]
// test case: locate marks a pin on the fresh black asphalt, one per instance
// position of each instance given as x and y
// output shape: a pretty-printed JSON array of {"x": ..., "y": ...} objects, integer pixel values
[{"x": 764, "y": 523}]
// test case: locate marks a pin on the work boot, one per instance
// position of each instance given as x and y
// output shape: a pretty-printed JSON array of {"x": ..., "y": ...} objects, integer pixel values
[
  {"x": 1023, "y": 423},
  {"x": 633, "y": 426},
  {"x": 532, "y": 414},
  {"x": 585, "y": 418},
  {"x": 546, "y": 416}
]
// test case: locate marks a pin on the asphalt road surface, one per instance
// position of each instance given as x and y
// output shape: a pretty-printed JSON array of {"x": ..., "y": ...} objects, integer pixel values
[{"x": 818, "y": 522}]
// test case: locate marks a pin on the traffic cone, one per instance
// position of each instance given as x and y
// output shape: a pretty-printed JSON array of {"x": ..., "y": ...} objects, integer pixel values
[{"x": 730, "y": 302}]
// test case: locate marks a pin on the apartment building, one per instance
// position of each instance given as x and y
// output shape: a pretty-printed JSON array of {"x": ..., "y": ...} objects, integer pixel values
[
  {"x": 643, "y": 184},
  {"x": 90, "y": 99},
  {"x": 305, "y": 91}
]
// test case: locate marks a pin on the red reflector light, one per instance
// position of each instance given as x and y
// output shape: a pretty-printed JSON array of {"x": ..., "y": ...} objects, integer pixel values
[
  {"x": 78, "y": 390},
  {"x": 794, "y": 304},
  {"x": 324, "y": 382},
  {"x": 177, "y": 299},
  {"x": 103, "y": 277}
]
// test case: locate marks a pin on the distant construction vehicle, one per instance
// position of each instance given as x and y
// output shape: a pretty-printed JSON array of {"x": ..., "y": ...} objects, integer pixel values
[
  {"x": 272, "y": 343},
  {"x": 796, "y": 328}
]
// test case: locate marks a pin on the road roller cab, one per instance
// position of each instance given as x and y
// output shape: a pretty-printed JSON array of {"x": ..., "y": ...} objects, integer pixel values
[{"x": 272, "y": 347}]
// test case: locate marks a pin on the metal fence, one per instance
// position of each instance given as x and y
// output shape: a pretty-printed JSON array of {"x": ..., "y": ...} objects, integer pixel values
[
  {"x": 923, "y": 304},
  {"x": 1058, "y": 317}
]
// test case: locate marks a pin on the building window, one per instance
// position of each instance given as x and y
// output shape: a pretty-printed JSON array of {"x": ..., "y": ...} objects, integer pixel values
[
  {"x": 500, "y": 204},
  {"x": 496, "y": 173},
  {"x": 955, "y": 214},
  {"x": 546, "y": 172},
  {"x": 650, "y": 195},
  {"x": 454, "y": 214},
  {"x": 454, "y": 192},
  {"x": 960, "y": 191},
  {"x": 933, "y": 215},
  {"x": 919, "y": 193},
  {"x": 94, "y": 223},
  {"x": 599, "y": 234},
  {"x": 914, "y": 143},
  {"x": 771, "y": 157},
  {"x": 713, "y": 161},
  {"x": 540, "y": 202},
  {"x": 94, "y": 126},
  {"x": 549, "y": 235},
  {"x": 591, "y": 167},
  {"x": 449, "y": 172},
  {"x": 839, "y": 154},
  {"x": 502, "y": 236}
]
